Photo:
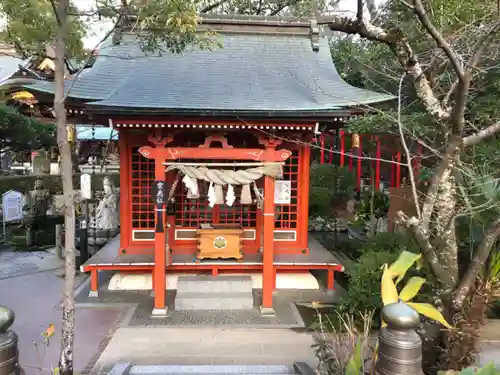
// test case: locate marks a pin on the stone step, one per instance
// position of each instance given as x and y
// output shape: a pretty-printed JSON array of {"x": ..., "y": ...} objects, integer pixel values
[
  {"x": 214, "y": 301},
  {"x": 211, "y": 369},
  {"x": 213, "y": 284}
]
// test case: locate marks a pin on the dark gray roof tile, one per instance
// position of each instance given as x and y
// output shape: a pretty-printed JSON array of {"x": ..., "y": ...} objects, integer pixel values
[{"x": 250, "y": 72}]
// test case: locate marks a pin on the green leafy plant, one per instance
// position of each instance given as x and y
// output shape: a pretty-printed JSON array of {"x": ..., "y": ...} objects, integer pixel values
[
  {"x": 392, "y": 242},
  {"x": 372, "y": 202},
  {"x": 344, "y": 349},
  {"x": 363, "y": 291},
  {"x": 329, "y": 184},
  {"x": 394, "y": 274},
  {"x": 41, "y": 348},
  {"x": 488, "y": 369}
]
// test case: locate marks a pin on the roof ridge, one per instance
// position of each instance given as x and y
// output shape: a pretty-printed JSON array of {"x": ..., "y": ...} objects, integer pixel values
[
  {"x": 252, "y": 25},
  {"x": 240, "y": 19}
]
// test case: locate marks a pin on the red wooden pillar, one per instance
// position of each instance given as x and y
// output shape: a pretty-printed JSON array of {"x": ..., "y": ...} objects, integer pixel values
[
  {"x": 126, "y": 188},
  {"x": 359, "y": 169},
  {"x": 351, "y": 153},
  {"x": 342, "y": 148},
  {"x": 393, "y": 172},
  {"x": 304, "y": 177},
  {"x": 160, "y": 255},
  {"x": 170, "y": 177},
  {"x": 332, "y": 144},
  {"x": 268, "y": 274},
  {"x": 398, "y": 169},
  {"x": 377, "y": 164},
  {"x": 322, "y": 150}
]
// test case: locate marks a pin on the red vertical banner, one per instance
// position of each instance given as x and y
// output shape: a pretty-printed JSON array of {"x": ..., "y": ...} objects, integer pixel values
[
  {"x": 398, "y": 169},
  {"x": 378, "y": 156},
  {"x": 360, "y": 154},
  {"x": 322, "y": 150},
  {"x": 342, "y": 147}
]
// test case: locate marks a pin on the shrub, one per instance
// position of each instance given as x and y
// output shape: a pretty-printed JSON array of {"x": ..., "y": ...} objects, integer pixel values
[
  {"x": 328, "y": 182},
  {"x": 390, "y": 242},
  {"x": 320, "y": 202},
  {"x": 363, "y": 292}
]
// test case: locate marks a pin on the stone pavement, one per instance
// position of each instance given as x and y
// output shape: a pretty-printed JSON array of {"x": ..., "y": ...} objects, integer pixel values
[
  {"x": 207, "y": 346},
  {"x": 19, "y": 263},
  {"x": 490, "y": 343},
  {"x": 29, "y": 286}
]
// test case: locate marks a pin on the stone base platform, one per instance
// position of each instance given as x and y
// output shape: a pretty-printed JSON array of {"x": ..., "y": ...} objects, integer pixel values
[{"x": 143, "y": 281}]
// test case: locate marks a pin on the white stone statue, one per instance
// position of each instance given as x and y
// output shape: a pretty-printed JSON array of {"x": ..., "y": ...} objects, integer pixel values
[{"x": 107, "y": 215}]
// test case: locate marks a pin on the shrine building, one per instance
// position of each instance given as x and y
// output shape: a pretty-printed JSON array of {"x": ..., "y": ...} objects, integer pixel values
[{"x": 215, "y": 148}]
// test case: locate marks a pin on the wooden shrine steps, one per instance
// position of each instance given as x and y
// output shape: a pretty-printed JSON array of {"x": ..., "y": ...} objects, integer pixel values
[{"x": 214, "y": 293}]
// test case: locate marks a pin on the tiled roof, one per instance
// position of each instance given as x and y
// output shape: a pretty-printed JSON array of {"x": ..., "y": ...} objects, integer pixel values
[{"x": 252, "y": 72}]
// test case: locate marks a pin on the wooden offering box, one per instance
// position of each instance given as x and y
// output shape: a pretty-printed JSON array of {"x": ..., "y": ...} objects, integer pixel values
[{"x": 219, "y": 241}]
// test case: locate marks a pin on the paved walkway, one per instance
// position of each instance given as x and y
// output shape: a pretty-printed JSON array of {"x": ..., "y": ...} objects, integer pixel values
[
  {"x": 29, "y": 286},
  {"x": 19, "y": 263},
  {"x": 207, "y": 345}
]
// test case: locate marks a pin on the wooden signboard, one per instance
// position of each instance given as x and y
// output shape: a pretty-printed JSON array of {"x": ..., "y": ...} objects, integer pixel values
[{"x": 158, "y": 195}]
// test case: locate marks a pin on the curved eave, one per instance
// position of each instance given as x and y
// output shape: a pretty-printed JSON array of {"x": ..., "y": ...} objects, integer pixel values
[
  {"x": 176, "y": 112},
  {"x": 41, "y": 93},
  {"x": 100, "y": 108}
]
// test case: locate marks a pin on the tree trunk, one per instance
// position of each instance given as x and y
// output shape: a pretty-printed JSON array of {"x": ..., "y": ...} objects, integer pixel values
[
  {"x": 68, "y": 315},
  {"x": 444, "y": 226}
]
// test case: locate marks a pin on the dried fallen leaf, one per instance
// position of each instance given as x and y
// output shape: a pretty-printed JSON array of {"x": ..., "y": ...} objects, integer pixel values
[{"x": 49, "y": 332}]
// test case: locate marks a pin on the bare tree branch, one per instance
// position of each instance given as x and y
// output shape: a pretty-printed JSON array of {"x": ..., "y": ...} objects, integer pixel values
[
  {"x": 474, "y": 266},
  {"x": 449, "y": 93},
  {"x": 91, "y": 54},
  {"x": 56, "y": 13},
  {"x": 211, "y": 7},
  {"x": 407, "y": 150},
  {"x": 396, "y": 41},
  {"x": 359, "y": 12},
  {"x": 372, "y": 10},
  {"x": 422, "y": 239},
  {"x": 285, "y": 5},
  {"x": 481, "y": 135},
  {"x": 481, "y": 45},
  {"x": 455, "y": 60}
]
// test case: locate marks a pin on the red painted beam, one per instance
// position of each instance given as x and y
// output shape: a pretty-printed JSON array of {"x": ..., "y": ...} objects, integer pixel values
[
  {"x": 221, "y": 266},
  {"x": 254, "y": 154}
]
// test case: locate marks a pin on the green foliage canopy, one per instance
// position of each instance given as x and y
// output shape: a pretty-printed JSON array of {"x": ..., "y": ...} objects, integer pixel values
[
  {"x": 20, "y": 132},
  {"x": 31, "y": 24}
]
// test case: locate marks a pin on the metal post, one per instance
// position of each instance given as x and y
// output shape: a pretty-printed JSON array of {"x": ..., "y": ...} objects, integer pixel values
[
  {"x": 84, "y": 234},
  {"x": 400, "y": 347},
  {"x": 9, "y": 355}
]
